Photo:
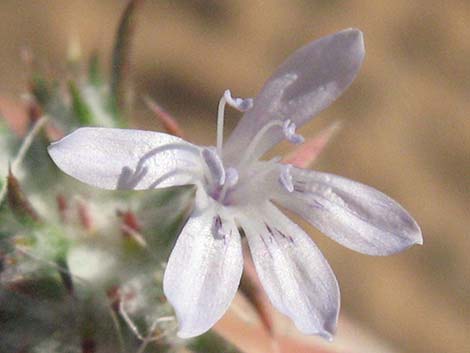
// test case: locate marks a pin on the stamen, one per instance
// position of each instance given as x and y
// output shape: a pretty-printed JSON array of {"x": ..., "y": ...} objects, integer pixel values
[
  {"x": 173, "y": 173},
  {"x": 215, "y": 165},
  {"x": 128, "y": 179},
  {"x": 164, "y": 148},
  {"x": 220, "y": 124},
  {"x": 241, "y": 104},
  {"x": 259, "y": 135},
  {"x": 288, "y": 128},
  {"x": 285, "y": 177}
]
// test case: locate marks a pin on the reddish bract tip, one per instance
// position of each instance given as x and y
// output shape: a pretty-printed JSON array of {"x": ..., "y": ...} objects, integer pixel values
[{"x": 169, "y": 123}]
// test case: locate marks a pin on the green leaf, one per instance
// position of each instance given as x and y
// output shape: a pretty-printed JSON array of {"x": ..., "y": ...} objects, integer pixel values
[
  {"x": 163, "y": 214},
  {"x": 42, "y": 288},
  {"x": 31, "y": 310},
  {"x": 121, "y": 57},
  {"x": 94, "y": 70},
  {"x": 19, "y": 203},
  {"x": 211, "y": 343},
  {"x": 40, "y": 89},
  {"x": 79, "y": 106},
  {"x": 51, "y": 243},
  {"x": 40, "y": 172}
]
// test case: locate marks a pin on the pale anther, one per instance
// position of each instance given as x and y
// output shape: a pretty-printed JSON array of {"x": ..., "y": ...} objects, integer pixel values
[
  {"x": 285, "y": 177},
  {"x": 231, "y": 177},
  {"x": 215, "y": 165},
  {"x": 241, "y": 104},
  {"x": 288, "y": 128}
]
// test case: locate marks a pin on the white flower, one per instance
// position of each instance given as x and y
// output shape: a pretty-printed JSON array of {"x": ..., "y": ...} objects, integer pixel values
[{"x": 236, "y": 190}]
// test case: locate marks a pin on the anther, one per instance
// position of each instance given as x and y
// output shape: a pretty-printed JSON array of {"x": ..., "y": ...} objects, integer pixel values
[
  {"x": 231, "y": 177},
  {"x": 241, "y": 104},
  {"x": 285, "y": 177},
  {"x": 215, "y": 165},
  {"x": 288, "y": 128},
  {"x": 217, "y": 230}
]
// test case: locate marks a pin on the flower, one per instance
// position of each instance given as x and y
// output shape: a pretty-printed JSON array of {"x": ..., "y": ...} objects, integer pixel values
[{"x": 237, "y": 190}]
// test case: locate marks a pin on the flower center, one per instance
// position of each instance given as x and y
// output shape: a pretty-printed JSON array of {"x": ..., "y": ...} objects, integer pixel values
[{"x": 220, "y": 182}]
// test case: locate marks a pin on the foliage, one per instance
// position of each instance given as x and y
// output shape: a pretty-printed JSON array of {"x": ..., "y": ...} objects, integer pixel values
[{"x": 81, "y": 269}]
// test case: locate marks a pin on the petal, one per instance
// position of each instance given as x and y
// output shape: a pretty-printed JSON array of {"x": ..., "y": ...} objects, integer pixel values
[
  {"x": 355, "y": 215},
  {"x": 297, "y": 278},
  {"x": 203, "y": 272},
  {"x": 126, "y": 159},
  {"x": 306, "y": 83}
]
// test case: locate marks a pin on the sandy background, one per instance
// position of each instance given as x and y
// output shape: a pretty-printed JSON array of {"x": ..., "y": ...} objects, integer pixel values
[{"x": 406, "y": 121}]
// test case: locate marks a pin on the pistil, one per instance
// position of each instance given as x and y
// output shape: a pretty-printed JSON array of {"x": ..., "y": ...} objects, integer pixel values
[{"x": 241, "y": 104}]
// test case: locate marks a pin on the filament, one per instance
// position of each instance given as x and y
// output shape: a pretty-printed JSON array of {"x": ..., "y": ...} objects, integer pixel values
[
  {"x": 172, "y": 173},
  {"x": 256, "y": 140},
  {"x": 220, "y": 123}
]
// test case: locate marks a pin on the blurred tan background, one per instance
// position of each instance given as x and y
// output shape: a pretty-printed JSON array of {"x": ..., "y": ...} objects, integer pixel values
[{"x": 406, "y": 121}]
